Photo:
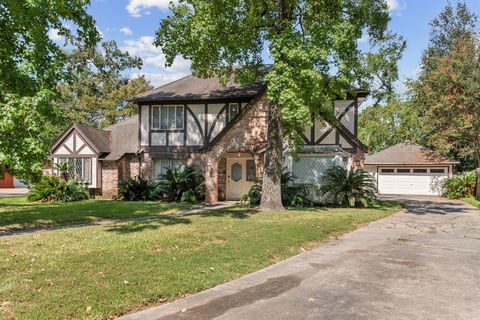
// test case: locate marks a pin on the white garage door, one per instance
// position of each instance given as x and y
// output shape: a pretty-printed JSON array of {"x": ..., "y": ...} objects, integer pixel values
[{"x": 414, "y": 180}]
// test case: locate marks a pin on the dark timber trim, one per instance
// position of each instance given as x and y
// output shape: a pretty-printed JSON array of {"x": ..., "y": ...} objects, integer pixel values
[
  {"x": 197, "y": 122},
  {"x": 217, "y": 117}
]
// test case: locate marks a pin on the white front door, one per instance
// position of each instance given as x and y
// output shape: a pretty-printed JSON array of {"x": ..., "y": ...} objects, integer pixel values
[{"x": 240, "y": 177}]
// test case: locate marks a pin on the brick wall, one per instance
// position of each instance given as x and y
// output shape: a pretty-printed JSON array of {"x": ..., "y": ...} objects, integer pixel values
[{"x": 110, "y": 179}]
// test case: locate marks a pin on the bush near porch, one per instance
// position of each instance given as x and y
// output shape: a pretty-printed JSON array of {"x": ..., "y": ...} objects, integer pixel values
[{"x": 98, "y": 272}]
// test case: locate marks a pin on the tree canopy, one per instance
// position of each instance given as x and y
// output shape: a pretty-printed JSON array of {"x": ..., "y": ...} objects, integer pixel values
[
  {"x": 313, "y": 45},
  {"x": 98, "y": 86},
  {"x": 31, "y": 65}
]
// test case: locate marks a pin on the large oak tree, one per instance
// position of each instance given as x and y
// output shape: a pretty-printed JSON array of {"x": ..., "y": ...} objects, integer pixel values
[{"x": 313, "y": 45}]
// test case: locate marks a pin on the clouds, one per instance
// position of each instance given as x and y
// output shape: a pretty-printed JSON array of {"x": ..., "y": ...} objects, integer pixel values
[
  {"x": 396, "y": 5},
  {"x": 136, "y": 7},
  {"x": 126, "y": 31},
  {"x": 53, "y": 35},
  {"x": 154, "y": 61}
]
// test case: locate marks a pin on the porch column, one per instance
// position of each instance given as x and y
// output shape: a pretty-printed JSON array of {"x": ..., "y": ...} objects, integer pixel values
[{"x": 211, "y": 182}]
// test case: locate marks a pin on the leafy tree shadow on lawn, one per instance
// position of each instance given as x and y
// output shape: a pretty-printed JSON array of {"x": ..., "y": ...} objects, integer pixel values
[
  {"x": 34, "y": 215},
  {"x": 147, "y": 224},
  {"x": 153, "y": 223}
]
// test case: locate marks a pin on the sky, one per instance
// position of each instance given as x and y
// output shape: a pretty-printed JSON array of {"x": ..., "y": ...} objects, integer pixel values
[{"x": 132, "y": 23}]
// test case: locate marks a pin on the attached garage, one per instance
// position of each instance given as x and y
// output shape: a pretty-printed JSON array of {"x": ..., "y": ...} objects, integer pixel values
[{"x": 409, "y": 169}]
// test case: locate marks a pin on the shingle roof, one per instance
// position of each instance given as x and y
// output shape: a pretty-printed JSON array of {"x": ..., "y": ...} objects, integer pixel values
[
  {"x": 98, "y": 137},
  {"x": 124, "y": 138},
  {"x": 407, "y": 153},
  {"x": 194, "y": 88}
]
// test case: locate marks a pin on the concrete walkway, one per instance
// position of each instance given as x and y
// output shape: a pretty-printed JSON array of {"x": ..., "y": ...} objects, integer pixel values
[{"x": 423, "y": 263}]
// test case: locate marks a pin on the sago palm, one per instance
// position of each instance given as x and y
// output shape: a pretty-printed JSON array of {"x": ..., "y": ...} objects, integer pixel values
[{"x": 351, "y": 188}]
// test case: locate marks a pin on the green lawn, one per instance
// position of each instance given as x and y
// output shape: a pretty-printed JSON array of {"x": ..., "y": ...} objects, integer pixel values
[
  {"x": 97, "y": 272},
  {"x": 17, "y": 212},
  {"x": 474, "y": 202}
]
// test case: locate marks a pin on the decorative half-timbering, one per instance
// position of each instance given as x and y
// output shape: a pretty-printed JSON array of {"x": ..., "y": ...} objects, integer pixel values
[{"x": 220, "y": 130}]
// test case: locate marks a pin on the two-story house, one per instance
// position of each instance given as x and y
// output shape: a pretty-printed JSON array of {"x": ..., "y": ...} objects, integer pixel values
[{"x": 221, "y": 130}]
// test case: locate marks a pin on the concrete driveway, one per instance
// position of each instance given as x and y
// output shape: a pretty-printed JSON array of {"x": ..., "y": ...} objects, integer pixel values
[{"x": 423, "y": 263}]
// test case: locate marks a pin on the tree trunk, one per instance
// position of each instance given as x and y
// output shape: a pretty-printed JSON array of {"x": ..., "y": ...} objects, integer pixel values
[
  {"x": 477, "y": 189},
  {"x": 273, "y": 165}
]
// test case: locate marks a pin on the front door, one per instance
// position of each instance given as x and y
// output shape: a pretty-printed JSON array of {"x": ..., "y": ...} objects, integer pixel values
[{"x": 240, "y": 177}]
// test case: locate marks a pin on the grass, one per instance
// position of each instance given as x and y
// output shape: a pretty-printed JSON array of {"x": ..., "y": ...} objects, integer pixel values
[
  {"x": 18, "y": 213},
  {"x": 98, "y": 272},
  {"x": 474, "y": 202}
]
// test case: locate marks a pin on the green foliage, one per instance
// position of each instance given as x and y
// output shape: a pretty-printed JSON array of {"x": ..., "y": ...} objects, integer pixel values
[
  {"x": 98, "y": 87},
  {"x": 30, "y": 67},
  {"x": 446, "y": 91},
  {"x": 53, "y": 189},
  {"x": 138, "y": 189},
  {"x": 460, "y": 186},
  {"x": 382, "y": 67},
  {"x": 384, "y": 125},
  {"x": 313, "y": 45},
  {"x": 292, "y": 195},
  {"x": 182, "y": 184},
  {"x": 350, "y": 188}
]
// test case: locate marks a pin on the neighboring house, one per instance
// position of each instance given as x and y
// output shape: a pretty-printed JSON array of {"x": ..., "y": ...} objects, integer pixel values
[
  {"x": 407, "y": 168},
  {"x": 221, "y": 130},
  {"x": 7, "y": 181}
]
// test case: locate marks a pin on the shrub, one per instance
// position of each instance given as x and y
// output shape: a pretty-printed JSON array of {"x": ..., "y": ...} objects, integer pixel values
[
  {"x": 460, "y": 186},
  {"x": 182, "y": 184},
  {"x": 293, "y": 196},
  {"x": 350, "y": 188},
  {"x": 138, "y": 189},
  {"x": 50, "y": 189}
]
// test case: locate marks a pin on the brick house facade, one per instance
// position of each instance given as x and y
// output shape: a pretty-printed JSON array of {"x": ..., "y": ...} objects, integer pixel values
[{"x": 219, "y": 130}]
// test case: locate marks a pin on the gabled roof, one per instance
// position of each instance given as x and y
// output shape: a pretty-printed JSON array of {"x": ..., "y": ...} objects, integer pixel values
[
  {"x": 124, "y": 138},
  {"x": 114, "y": 141},
  {"x": 193, "y": 88},
  {"x": 97, "y": 139},
  {"x": 407, "y": 153}
]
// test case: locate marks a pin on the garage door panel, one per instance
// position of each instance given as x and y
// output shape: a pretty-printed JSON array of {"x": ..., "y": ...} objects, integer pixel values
[{"x": 416, "y": 184}]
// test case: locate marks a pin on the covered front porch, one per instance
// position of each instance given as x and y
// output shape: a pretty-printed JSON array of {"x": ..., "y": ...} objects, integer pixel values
[{"x": 231, "y": 175}]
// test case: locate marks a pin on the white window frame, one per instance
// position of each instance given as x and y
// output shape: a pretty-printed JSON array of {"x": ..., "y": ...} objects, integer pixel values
[
  {"x": 175, "y": 108},
  {"x": 166, "y": 164},
  {"x": 86, "y": 163}
]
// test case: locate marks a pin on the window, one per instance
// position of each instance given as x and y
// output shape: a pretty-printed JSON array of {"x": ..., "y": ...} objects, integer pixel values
[
  {"x": 403, "y": 170},
  {"x": 161, "y": 166},
  {"x": 168, "y": 117},
  {"x": 236, "y": 172},
  {"x": 419, "y": 170},
  {"x": 310, "y": 169},
  {"x": 251, "y": 170},
  {"x": 437, "y": 170},
  {"x": 78, "y": 168},
  {"x": 233, "y": 110},
  {"x": 388, "y": 170}
]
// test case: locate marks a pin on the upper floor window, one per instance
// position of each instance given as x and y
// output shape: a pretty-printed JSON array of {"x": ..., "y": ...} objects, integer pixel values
[
  {"x": 168, "y": 117},
  {"x": 233, "y": 110}
]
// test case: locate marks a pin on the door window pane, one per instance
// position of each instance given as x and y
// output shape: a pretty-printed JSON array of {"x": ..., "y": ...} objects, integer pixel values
[
  {"x": 403, "y": 170},
  {"x": 236, "y": 172},
  {"x": 251, "y": 171},
  {"x": 437, "y": 170},
  {"x": 388, "y": 170},
  {"x": 419, "y": 170}
]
